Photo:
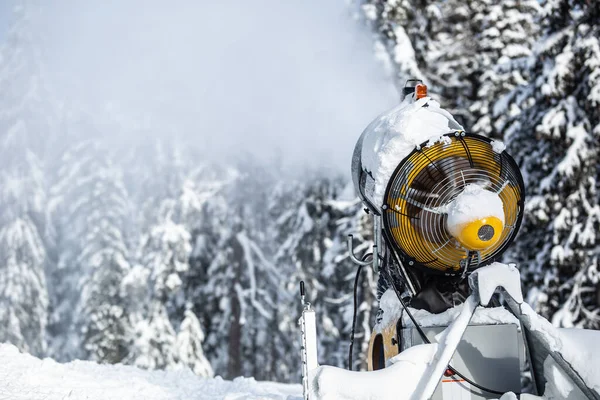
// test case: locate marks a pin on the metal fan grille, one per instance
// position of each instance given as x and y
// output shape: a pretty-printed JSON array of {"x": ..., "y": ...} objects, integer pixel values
[{"x": 429, "y": 179}]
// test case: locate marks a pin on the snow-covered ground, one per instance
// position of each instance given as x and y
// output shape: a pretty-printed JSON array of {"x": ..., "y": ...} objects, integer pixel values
[{"x": 23, "y": 376}]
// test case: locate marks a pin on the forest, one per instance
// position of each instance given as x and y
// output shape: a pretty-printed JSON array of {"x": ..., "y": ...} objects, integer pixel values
[{"x": 152, "y": 254}]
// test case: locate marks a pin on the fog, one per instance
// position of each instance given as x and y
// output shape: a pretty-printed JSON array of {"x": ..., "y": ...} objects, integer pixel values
[{"x": 295, "y": 80}]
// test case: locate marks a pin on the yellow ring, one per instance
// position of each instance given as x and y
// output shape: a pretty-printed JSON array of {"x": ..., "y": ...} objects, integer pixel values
[{"x": 480, "y": 234}]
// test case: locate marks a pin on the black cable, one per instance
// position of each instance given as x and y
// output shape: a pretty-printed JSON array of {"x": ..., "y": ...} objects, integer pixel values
[
  {"x": 426, "y": 339},
  {"x": 354, "y": 312},
  {"x": 482, "y": 388},
  {"x": 405, "y": 307}
]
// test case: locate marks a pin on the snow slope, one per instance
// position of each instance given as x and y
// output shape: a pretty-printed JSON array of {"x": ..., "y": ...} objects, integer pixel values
[{"x": 23, "y": 376}]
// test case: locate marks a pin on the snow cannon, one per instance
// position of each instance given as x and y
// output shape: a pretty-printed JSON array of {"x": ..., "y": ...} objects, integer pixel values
[
  {"x": 447, "y": 201},
  {"x": 445, "y": 205}
]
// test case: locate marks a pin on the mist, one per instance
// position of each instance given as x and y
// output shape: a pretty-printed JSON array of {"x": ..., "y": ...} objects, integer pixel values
[{"x": 289, "y": 80}]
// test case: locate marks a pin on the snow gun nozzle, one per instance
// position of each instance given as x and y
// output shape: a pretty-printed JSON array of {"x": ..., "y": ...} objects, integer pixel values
[{"x": 302, "y": 293}]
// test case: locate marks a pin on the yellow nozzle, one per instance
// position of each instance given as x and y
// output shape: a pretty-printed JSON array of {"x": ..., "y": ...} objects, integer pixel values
[{"x": 480, "y": 234}]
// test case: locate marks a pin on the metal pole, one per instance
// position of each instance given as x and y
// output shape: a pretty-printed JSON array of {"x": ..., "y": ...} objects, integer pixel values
[
  {"x": 352, "y": 256},
  {"x": 377, "y": 242},
  {"x": 308, "y": 327}
]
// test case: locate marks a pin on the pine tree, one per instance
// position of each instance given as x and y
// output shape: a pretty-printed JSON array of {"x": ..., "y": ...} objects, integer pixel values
[
  {"x": 290, "y": 223},
  {"x": 107, "y": 335},
  {"x": 68, "y": 231},
  {"x": 219, "y": 302},
  {"x": 154, "y": 346},
  {"x": 508, "y": 33},
  {"x": 469, "y": 53},
  {"x": 90, "y": 211},
  {"x": 23, "y": 286},
  {"x": 189, "y": 346},
  {"x": 237, "y": 279},
  {"x": 205, "y": 303},
  {"x": 313, "y": 249},
  {"x": 456, "y": 59},
  {"x": 25, "y": 126},
  {"x": 243, "y": 275},
  {"x": 304, "y": 231},
  {"x": 554, "y": 134},
  {"x": 206, "y": 283},
  {"x": 403, "y": 32},
  {"x": 171, "y": 273},
  {"x": 104, "y": 259},
  {"x": 164, "y": 254},
  {"x": 23, "y": 294}
]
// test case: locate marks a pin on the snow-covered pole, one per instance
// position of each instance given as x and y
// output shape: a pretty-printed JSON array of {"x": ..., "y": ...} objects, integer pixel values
[{"x": 308, "y": 326}]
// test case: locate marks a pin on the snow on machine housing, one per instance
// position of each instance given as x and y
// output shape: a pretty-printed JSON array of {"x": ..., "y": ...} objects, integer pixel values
[{"x": 445, "y": 204}]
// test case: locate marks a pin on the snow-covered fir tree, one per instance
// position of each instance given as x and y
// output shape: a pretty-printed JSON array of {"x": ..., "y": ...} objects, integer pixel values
[
  {"x": 154, "y": 346},
  {"x": 402, "y": 35},
  {"x": 164, "y": 253},
  {"x": 90, "y": 211},
  {"x": 452, "y": 64},
  {"x": 303, "y": 232},
  {"x": 508, "y": 31},
  {"x": 26, "y": 125},
  {"x": 23, "y": 290},
  {"x": 204, "y": 284},
  {"x": 468, "y": 52},
  {"x": 431, "y": 41},
  {"x": 107, "y": 334},
  {"x": 314, "y": 250},
  {"x": 189, "y": 346},
  {"x": 107, "y": 329},
  {"x": 241, "y": 280},
  {"x": 554, "y": 134}
]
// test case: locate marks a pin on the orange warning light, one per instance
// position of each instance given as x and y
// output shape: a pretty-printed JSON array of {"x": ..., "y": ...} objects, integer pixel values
[{"x": 420, "y": 91}]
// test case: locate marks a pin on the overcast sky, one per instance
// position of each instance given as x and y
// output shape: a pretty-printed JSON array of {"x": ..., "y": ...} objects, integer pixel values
[
  {"x": 294, "y": 78},
  {"x": 5, "y": 11}
]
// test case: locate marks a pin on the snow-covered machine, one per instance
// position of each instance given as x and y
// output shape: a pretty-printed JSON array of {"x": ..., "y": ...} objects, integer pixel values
[{"x": 452, "y": 323}]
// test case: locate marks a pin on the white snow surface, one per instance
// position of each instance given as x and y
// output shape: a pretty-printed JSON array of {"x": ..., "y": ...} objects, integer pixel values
[
  {"x": 498, "y": 146},
  {"x": 473, "y": 203},
  {"x": 406, "y": 370},
  {"x": 498, "y": 274},
  {"x": 578, "y": 347},
  {"x": 23, "y": 376},
  {"x": 482, "y": 316},
  {"x": 394, "y": 134},
  {"x": 392, "y": 310}
]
